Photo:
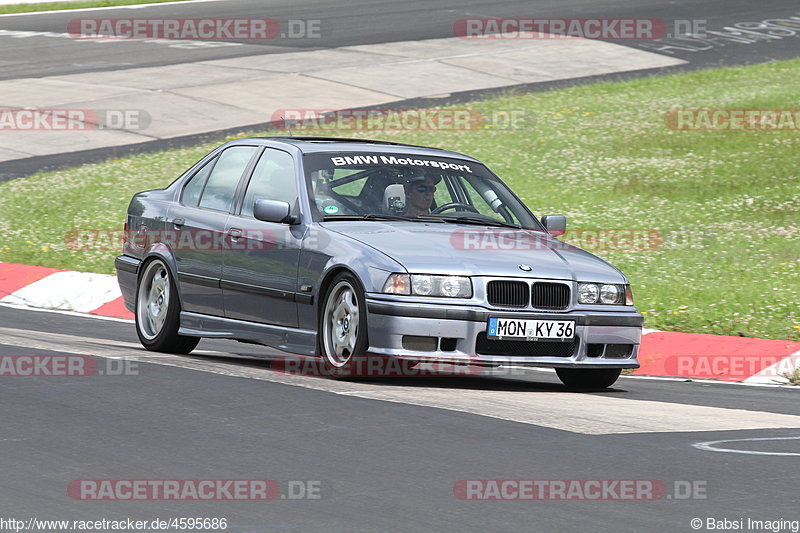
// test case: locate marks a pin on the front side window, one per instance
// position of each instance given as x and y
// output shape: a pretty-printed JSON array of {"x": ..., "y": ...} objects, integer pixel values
[
  {"x": 273, "y": 179},
  {"x": 221, "y": 185}
]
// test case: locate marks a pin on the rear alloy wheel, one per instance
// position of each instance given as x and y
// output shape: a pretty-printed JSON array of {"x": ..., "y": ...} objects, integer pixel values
[
  {"x": 588, "y": 378},
  {"x": 343, "y": 333},
  {"x": 158, "y": 311}
]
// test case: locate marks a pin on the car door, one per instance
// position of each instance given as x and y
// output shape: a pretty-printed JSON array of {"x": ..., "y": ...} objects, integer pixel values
[
  {"x": 198, "y": 225},
  {"x": 259, "y": 274}
]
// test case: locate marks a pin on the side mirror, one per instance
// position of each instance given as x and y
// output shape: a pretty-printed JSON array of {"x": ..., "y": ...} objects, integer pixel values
[
  {"x": 394, "y": 199},
  {"x": 555, "y": 224},
  {"x": 273, "y": 211}
]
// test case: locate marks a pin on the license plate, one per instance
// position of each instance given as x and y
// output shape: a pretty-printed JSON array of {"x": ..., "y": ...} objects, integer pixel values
[{"x": 530, "y": 330}]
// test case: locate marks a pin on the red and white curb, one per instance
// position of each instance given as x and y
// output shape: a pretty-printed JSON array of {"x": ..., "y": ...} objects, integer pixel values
[
  {"x": 63, "y": 290},
  {"x": 662, "y": 353},
  {"x": 719, "y": 357}
]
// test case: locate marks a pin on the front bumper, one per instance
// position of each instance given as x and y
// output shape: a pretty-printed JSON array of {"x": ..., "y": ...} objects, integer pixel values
[{"x": 400, "y": 330}]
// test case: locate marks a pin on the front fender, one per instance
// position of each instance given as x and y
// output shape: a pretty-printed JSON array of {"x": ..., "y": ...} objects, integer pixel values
[{"x": 326, "y": 252}]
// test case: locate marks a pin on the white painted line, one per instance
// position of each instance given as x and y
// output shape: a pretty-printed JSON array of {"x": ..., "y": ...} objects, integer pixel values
[
  {"x": 134, "y": 6},
  {"x": 60, "y": 342},
  {"x": 714, "y": 382},
  {"x": 685, "y": 379},
  {"x": 182, "y": 43},
  {"x": 711, "y": 446}
]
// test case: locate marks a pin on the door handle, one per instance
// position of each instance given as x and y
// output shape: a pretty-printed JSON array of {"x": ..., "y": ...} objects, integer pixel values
[
  {"x": 235, "y": 233},
  {"x": 178, "y": 222}
]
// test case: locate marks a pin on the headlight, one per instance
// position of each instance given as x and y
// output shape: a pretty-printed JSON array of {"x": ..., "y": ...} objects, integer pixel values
[
  {"x": 609, "y": 294},
  {"x": 604, "y": 293},
  {"x": 455, "y": 286},
  {"x": 587, "y": 293},
  {"x": 422, "y": 285},
  {"x": 429, "y": 285}
]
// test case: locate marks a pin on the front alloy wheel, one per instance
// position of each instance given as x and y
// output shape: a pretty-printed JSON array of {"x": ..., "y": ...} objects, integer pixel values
[{"x": 343, "y": 340}]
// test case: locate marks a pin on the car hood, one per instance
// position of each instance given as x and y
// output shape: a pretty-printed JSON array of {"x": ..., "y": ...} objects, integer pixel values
[{"x": 469, "y": 250}]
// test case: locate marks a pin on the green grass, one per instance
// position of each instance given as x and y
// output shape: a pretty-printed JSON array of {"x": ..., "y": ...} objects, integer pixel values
[
  {"x": 727, "y": 203},
  {"x": 52, "y": 6}
]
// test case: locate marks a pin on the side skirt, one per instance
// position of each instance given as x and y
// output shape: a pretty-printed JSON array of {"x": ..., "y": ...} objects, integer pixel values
[{"x": 299, "y": 341}]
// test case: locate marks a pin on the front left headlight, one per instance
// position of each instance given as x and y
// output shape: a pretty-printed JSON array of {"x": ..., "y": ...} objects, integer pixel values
[
  {"x": 429, "y": 285},
  {"x": 604, "y": 293}
]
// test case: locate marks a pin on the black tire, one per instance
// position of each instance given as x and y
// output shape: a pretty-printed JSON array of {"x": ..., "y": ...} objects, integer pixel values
[
  {"x": 158, "y": 318},
  {"x": 336, "y": 324},
  {"x": 588, "y": 378}
]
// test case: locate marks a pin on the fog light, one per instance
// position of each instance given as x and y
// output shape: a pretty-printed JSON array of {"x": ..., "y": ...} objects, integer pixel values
[{"x": 420, "y": 344}]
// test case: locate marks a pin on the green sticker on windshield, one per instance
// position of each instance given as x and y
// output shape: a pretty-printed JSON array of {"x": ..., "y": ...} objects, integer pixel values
[{"x": 330, "y": 209}]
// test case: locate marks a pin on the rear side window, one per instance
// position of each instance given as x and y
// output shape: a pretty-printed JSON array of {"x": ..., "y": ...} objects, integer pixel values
[
  {"x": 192, "y": 190},
  {"x": 221, "y": 185}
]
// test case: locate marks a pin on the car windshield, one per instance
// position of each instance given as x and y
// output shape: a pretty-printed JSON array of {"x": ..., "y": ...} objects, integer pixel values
[{"x": 392, "y": 186}]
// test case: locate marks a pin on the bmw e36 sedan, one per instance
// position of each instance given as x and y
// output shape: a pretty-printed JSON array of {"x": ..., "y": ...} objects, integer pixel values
[{"x": 340, "y": 248}]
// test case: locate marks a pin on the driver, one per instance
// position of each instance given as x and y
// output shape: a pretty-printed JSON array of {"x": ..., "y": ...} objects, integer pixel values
[{"x": 419, "y": 193}]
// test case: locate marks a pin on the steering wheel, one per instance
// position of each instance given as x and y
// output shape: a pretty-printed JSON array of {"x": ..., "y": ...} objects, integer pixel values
[{"x": 454, "y": 205}]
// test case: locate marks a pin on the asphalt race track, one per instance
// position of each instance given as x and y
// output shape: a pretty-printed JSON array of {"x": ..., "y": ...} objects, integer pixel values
[
  {"x": 379, "y": 465},
  {"x": 355, "y": 22}
]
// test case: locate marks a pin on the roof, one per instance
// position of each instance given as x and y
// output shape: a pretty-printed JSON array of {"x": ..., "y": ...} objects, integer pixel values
[{"x": 310, "y": 145}]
